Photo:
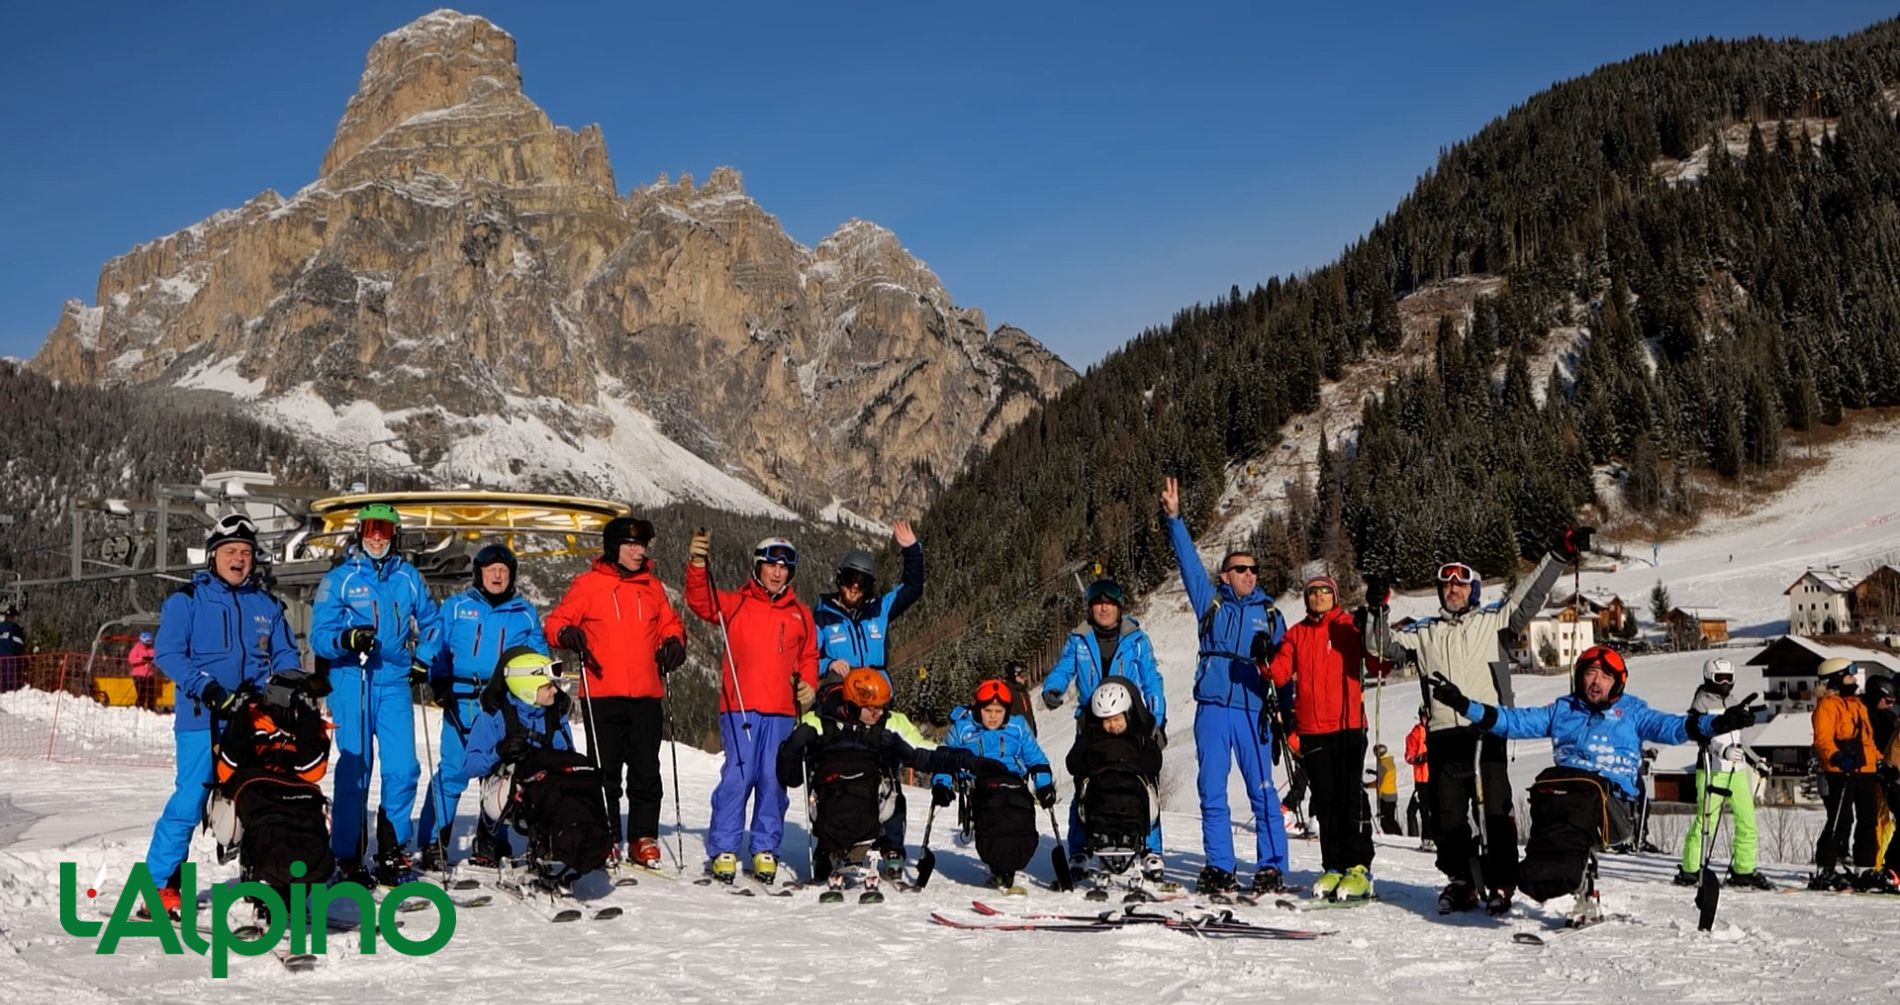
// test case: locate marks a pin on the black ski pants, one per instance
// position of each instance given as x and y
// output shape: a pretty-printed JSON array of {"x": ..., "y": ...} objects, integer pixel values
[
  {"x": 1334, "y": 765},
  {"x": 628, "y": 740},
  {"x": 1464, "y": 759},
  {"x": 1849, "y": 798},
  {"x": 1420, "y": 812}
]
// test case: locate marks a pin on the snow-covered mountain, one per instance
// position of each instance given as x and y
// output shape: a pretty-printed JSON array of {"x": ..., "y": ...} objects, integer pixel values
[{"x": 463, "y": 289}]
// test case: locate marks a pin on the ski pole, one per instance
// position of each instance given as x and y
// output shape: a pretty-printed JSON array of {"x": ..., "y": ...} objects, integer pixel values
[
  {"x": 362, "y": 742},
  {"x": 445, "y": 824},
  {"x": 732, "y": 667},
  {"x": 679, "y": 823},
  {"x": 593, "y": 748},
  {"x": 926, "y": 859}
]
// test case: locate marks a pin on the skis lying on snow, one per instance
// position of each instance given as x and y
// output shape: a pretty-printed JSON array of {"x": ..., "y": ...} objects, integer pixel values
[
  {"x": 1323, "y": 903},
  {"x": 1255, "y": 900},
  {"x": 1221, "y": 924},
  {"x": 1569, "y": 927},
  {"x": 755, "y": 886},
  {"x": 555, "y": 906}
]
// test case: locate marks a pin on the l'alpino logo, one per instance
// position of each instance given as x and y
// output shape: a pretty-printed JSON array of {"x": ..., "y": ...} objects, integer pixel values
[{"x": 307, "y": 900}]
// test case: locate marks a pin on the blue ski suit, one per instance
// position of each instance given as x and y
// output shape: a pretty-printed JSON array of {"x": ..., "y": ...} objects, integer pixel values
[
  {"x": 1606, "y": 742},
  {"x": 474, "y": 635},
  {"x": 489, "y": 728},
  {"x": 1081, "y": 662},
  {"x": 209, "y": 631},
  {"x": 370, "y": 701},
  {"x": 1012, "y": 745},
  {"x": 1231, "y": 721}
]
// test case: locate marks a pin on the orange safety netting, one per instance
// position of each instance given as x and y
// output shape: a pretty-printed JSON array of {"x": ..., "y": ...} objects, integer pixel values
[{"x": 77, "y": 708}]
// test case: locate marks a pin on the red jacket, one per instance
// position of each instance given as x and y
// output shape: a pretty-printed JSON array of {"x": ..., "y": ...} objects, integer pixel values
[
  {"x": 772, "y": 640},
  {"x": 140, "y": 657},
  {"x": 1322, "y": 659},
  {"x": 625, "y": 617}
]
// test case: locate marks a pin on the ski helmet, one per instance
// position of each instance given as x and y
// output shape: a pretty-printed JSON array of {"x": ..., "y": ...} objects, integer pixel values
[
  {"x": 379, "y": 516},
  {"x": 619, "y": 531},
  {"x": 860, "y": 566},
  {"x": 1378, "y": 750},
  {"x": 525, "y": 673},
  {"x": 775, "y": 550},
  {"x": 866, "y": 688},
  {"x": 1104, "y": 590},
  {"x": 992, "y": 692},
  {"x": 145, "y": 638},
  {"x": 1719, "y": 674},
  {"x": 1111, "y": 699},
  {"x": 1878, "y": 687},
  {"x": 1459, "y": 572},
  {"x": 1835, "y": 671},
  {"x": 230, "y": 527},
  {"x": 489, "y": 555},
  {"x": 1606, "y": 659}
]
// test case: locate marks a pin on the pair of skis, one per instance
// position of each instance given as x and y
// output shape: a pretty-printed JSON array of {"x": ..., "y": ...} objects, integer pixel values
[{"x": 1222, "y": 924}]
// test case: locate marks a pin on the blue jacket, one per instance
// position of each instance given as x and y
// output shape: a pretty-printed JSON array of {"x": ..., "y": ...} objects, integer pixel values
[
  {"x": 210, "y": 631},
  {"x": 490, "y": 727},
  {"x": 475, "y": 634},
  {"x": 358, "y": 594},
  {"x": 1226, "y": 674},
  {"x": 1081, "y": 662},
  {"x": 1607, "y": 742},
  {"x": 859, "y": 636},
  {"x": 1012, "y": 744},
  {"x": 12, "y": 638}
]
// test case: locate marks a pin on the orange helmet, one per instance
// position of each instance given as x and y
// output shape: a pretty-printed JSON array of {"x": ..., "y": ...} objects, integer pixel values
[
  {"x": 866, "y": 688},
  {"x": 1609, "y": 661}
]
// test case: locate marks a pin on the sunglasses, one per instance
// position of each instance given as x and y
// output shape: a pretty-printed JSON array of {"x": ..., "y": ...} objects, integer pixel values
[
  {"x": 1244, "y": 570},
  {"x": 1318, "y": 589},
  {"x": 1457, "y": 572}
]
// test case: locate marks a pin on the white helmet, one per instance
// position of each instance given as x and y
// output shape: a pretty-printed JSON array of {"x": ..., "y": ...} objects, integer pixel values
[
  {"x": 1835, "y": 665},
  {"x": 1717, "y": 667},
  {"x": 776, "y": 550},
  {"x": 1112, "y": 698}
]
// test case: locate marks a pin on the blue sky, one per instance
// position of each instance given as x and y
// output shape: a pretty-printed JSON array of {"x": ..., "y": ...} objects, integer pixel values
[{"x": 1079, "y": 170}]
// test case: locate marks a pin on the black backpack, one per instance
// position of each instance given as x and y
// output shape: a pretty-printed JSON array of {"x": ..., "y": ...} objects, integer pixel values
[
  {"x": 848, "y": 788},
  {"x": 557, "y": 801},
  {"x": 284, "y": 822},
  {"x": 1117, "y": 809},
  {"x": 1005, "y": 814}
]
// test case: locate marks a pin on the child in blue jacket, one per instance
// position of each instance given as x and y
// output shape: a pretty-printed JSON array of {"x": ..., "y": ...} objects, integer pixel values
[{"x": 1000, "y": 802}]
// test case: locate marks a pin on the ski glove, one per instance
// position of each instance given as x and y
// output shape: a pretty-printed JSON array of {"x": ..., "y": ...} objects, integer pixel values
[
  {"x": 699, "y": 549},
  {"x": 1447, "y": 694},
  {"x": 672, "y": 653},
  {"x": 512, "y": 748},
  {"x": 218, "y": 700},
  {"x": 942, "y": 795},
  {"x": 1052, "y": 700},
  {"x": 317, "y": 685},
  {"x": 1573, "y": 542},
  {"x": 1378, "y": 594},
  {"x": 1263, "y": 647},
  {"x": 572, "y": 639},
  {"x": 1046, "y": 796},
  {"x": 418, "y": 673},
  {"x": 360, "y": 640},
  {"x": 1737, "y": 716}
]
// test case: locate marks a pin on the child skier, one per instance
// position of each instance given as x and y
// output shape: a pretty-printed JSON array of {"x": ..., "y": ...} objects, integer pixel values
[
  {"x": 1001, "y": 804},
  {"x": 534, "y": 780},
  {"x": 852, "y": 760},
  {"x": 1116, "y": 762},
  {"x": 1583, "y": 803}
]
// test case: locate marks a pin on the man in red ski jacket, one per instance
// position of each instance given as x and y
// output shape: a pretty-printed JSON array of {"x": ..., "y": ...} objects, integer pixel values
[
  {"x": 616, "y": 616},
  {"x": 769, "y": 672},
  {"x": 1321, "y": 659}
]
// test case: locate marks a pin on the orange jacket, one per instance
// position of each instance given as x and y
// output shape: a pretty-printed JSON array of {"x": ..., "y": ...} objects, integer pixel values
[
  {"x": 625, "y": 617},
  {"x": 1842, "y": 722},
  {"x": 1322, "y": 658},
  {"x": 770, "y": 639},
  {"x": 1415, "y": 755}
]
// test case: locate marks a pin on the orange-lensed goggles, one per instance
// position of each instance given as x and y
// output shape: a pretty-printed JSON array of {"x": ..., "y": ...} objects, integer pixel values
[{"x": 993, "y": 692}]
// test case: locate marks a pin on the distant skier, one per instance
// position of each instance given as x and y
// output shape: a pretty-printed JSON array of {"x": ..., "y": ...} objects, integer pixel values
[
  {"x": 144, "y": 671},
  {"x": 12, "y": 650},
  {"x": 1418, "y": 809},
  {"x": 1385, "y": 783}
]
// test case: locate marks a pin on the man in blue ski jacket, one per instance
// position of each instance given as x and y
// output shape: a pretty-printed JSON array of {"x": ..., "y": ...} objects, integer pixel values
[
  {"x": 1107, "y": 645},
  {"x": 854, "y": 630},
  {"x": 219, "y": 636},
  {"x": 374, "y": 621},
  {"x": 1239, "y": 632},
  {"x": 478, "y": 625}
]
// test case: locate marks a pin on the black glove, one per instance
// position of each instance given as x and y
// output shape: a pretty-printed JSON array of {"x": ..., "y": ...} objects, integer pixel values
[
  {"x": 1274, "y": 753},
  {"x": 1378, "y": 594},
  {"x": 1046, "y": 795},
  {"x": 942, "y": 795},
  {"x": 1737, "y": 716},
  {"x": 1161, "y": 737},
  {"x": 672, "y": 653},
  {"x": 1262, "y": 650},
  {"x": 318, "y": 686},
  {"x": 442, "y": 692},
  {"x": 572, "y": 639},
  {"x": 218, "y": 700},
  {"x": 1888, "y": 774},
  {"x": 1573, "y": 542},
  {"x": 512, "y": 748},
  {"x": 1052, "y": 699},
  {"x": 360, "y": 640},
  {"x": 1447, "y": 694},
  {"x": 418, "y": 673}
]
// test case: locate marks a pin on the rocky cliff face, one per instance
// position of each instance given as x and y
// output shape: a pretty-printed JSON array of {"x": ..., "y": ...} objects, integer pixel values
[{"x": 464, "y": 278}]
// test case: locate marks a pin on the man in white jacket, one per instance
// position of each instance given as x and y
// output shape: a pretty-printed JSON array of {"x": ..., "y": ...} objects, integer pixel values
[{"x": 1731, "y": 761}]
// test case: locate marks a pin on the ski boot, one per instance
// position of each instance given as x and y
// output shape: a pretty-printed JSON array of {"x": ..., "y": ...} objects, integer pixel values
[
  {"x": 1006, "y": 882},
  {"x": 1829, "y": 880},
  {"x": 434, "y": 861},
  {"x": 1750, "y": 881},
  {"x": 645, "y": 852},
  {"x": 354, "y": 871},
  {"x": 1875, "y": 881},
  {"x": 834, "y": 889},
  {"x": 1458, "y": 895},
  {"x": 1267, "y": 879},
  {"x": 395, "y": 868},
  {"x": 1427, "y": 844},
  {"x": 871, "y": 894},
  {"x": 170, "y": 899},
  {"x": 487, "y": 852},
  {"x": 1686, "y": 878},
  {"x": 1217, "y": 882},
  {"x": 1587, "y": 911},
  {"x": 1498, "y": 902},
  {"x": 1323, "y": 886},
  {"x": 765, "y": 867},
  {"x": 1154, "y": 869},
  {"x": 1355, "y": 885},
  {"x": 724, "y": 867},
  {"x": 1078, "y": 863},
  {"x": 890, "y": 865}
]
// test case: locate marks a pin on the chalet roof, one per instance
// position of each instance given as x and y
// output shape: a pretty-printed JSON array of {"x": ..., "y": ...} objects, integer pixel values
[
  {"x": 1789, "y": 729},
  {"x": 1702, "y": 613},
  {"x": 1833, "y": 580},
  {"x": 1822, "y": 649},
  {"x": 1596, "y": 598}
]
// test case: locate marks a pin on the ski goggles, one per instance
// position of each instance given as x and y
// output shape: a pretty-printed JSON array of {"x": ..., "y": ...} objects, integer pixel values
[
  {"x": 234, "y": 525},
  {"x": 779, "y": 554},
  {"x": 1109, "y": 592},
  {"x": 864, "y": 581},
  {"x": 382, "y": 530},
  {"x": 1608, "y": 659},
  {"x": 554, "y": 670},
  {"x": 1457, "y": 572},
  {"x": 993, "y": 692}
]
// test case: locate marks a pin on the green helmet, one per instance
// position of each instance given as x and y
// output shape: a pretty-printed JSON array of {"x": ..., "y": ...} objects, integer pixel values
[{"x": 382, "y": 513}]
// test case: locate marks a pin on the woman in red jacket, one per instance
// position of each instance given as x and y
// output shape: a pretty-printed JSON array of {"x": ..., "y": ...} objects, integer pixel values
[
  {"x": 616, "y": 616},
  {"x": 1321, "y": 658},
  {"x": 769, "y": 671}
]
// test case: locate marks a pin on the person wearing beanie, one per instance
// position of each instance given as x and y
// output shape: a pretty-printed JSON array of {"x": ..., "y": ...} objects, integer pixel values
[
  {"x": 478, "y": 625},
  {"x": 627, "y": 638}
]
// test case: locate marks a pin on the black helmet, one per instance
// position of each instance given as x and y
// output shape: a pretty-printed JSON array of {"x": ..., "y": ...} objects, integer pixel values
[
  {"x": 1878, "y": 688},
  {"x": 230, "y": 527},
  {"x": 489, "y": 555},
  {"x": 619, "y": 531},
  {"x": 858, "y": 563},
  {"x": 1104, "y": 589}
]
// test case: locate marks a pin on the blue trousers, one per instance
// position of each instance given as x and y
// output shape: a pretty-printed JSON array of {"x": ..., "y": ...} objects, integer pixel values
[
  {"x": 171, "y": 837},
  {"x": 1224, "y": 737},
  {"x": 751, "y": 770},
  {"x": 389, "y": 721},
  {"x": 451, "y": 777},
  {"x": 1076, "y": 836}
]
